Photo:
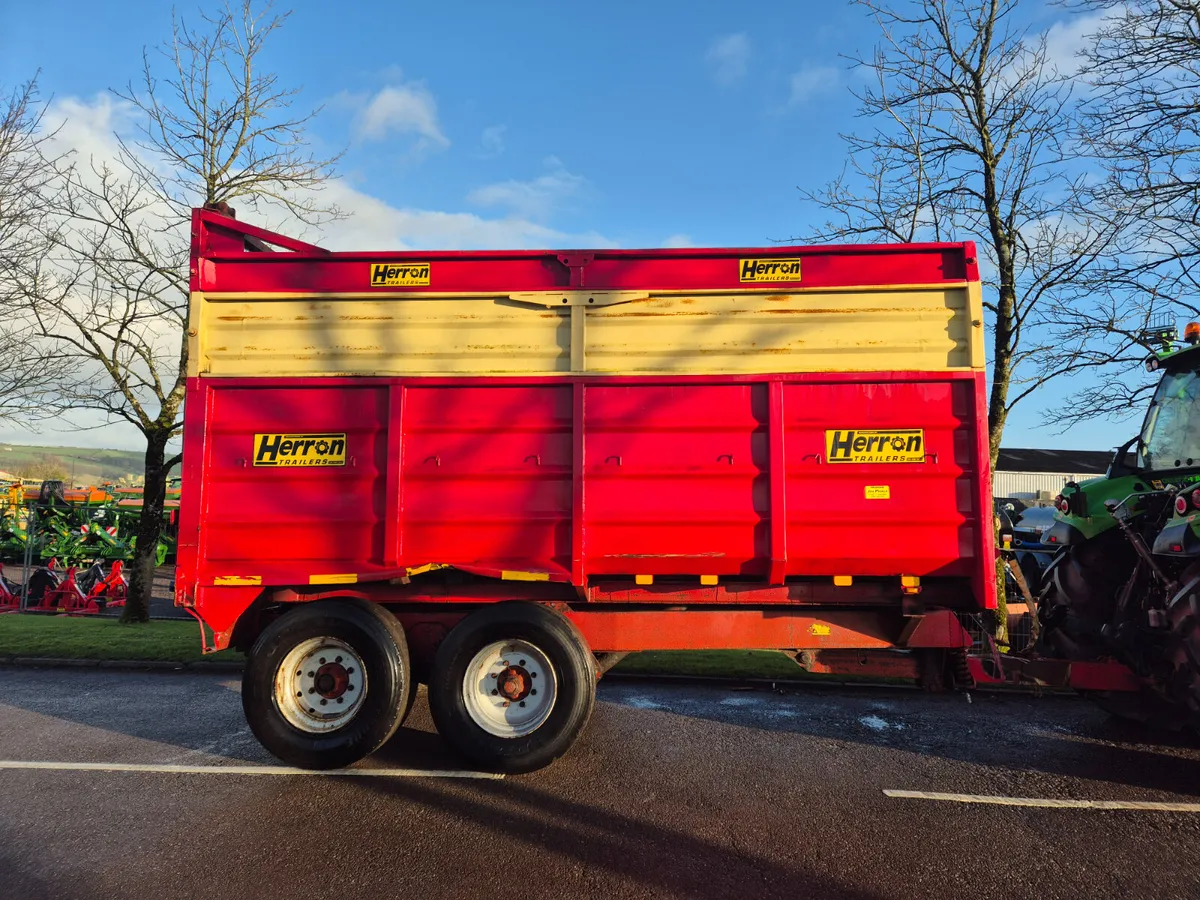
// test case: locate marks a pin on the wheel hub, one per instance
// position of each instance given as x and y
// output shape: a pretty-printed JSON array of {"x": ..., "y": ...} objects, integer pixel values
[
  {"x": 514, "y": 683},
  {"x": 331, "y": 680},
  {"x": 320, "y": 685},
  {"x": 509, "y": 688}
]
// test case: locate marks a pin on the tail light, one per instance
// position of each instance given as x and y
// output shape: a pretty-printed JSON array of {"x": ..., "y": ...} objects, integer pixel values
[
  {"x": 1196, "y": 499},
  {"x": 1060, "y": 502},
  {"x": 1181, "y": 506}
]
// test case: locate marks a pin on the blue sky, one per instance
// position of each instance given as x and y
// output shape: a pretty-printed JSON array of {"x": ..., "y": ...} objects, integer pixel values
[{"x": 531, "y": 124}]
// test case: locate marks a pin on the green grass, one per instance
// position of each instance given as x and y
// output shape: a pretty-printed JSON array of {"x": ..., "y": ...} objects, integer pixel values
[
  {"x": 103, "y": 639},
  {"x": 106, "y": 639}
]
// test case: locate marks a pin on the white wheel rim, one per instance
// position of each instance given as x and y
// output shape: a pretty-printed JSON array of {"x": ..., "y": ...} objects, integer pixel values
[
  {"x": 509, "y": 688},
  {"x": 320, "y": 685}
]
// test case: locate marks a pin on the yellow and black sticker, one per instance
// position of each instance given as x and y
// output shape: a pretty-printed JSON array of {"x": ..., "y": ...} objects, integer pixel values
[
  {"x": 892, "y": 445},
  {"x": 300, "y": 449},
  {"x": 878, "y": 492},
  {"x": 756, "y": 270},
  {"x": 405, "y": 274}
]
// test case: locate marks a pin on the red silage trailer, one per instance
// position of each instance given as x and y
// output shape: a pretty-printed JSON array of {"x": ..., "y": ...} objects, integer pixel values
[{"x": 498, "y": 469}]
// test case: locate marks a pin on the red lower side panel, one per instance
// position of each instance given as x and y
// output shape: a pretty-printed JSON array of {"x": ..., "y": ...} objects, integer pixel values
[{"x": 572, "y": 479}]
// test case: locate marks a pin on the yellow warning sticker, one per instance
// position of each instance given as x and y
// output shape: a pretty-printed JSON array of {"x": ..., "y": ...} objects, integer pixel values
[
  {"x": 890, "y": 445},
  {"x": 818, "y": 630},
  {"x": 399, "y": 274},
  {"x": 878, "y": 492},
  {"x": 757, "y": 270}
]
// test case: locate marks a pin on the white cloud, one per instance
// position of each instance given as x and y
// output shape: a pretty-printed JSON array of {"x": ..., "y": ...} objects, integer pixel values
[
  {"x": 678, "y": 240},
  {"x": 728, "y": 57},
  {"x": 1064, "y": 40},
  {"x": 535, "y": 199},
  {"x": 492, "y": 140},
  {"x": 405, "y": 109},
  {"x": 812, "y": 81},
  {"x": 376, "y": 225}
]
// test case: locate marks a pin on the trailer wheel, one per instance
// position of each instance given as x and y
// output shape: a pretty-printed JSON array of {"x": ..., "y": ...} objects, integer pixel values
[
  {"x": 513, "y": 686},
  {"x": 328, "y": 683}
]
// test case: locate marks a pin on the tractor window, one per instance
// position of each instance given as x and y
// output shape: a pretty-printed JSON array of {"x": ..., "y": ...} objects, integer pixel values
[{"x": 1171, "y": 435}]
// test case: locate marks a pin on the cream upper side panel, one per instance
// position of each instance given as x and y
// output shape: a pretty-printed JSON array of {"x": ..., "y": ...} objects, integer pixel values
[{"x": 813, "y": 331}]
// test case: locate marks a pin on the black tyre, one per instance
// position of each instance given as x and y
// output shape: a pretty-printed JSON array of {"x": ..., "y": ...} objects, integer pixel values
[
  {"x": 1183, "y": 652},
  {"x": 328, "y": 683},
  {"x": 513, "y": 686}
]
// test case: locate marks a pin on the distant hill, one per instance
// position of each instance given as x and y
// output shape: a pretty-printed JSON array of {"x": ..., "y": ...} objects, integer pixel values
[{"x": 78, "y": 466}]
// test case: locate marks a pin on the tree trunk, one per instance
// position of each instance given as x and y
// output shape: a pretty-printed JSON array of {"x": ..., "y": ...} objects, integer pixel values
[{"x": 141, "y": 581}]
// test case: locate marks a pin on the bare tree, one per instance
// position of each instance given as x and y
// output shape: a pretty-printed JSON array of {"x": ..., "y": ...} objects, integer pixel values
[
  {"x": 215, "y": 129},
  {"x": 1141, "y": 122},
  {"x": 27, "y": 374},
  {"x": 967, "y": 122}
]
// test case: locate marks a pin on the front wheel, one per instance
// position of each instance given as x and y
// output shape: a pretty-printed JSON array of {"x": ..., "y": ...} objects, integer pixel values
[
  {"x": 328, "y": 683},
  {"x": 513, "y": 686}
]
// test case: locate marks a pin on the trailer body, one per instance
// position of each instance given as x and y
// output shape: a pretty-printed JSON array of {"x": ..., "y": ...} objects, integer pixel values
[{"x": 781, "y": 447}]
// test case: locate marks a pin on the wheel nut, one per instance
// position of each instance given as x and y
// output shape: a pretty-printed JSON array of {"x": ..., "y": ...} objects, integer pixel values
[
  {"x": 321, "y": 660},
  {"x": 337, "y": 659},
  {"x": 341, "y": 699},
  {"x": 534, "y": 691},
  {"x": 324, "y": 701},
  {"x": 494, "y": 693},
  {"x": 533, "y": 674},
  {"x": 521, "y": 663},
  {"x": 349, "y": 671},
  {"x": 522, "y": 702},
  {"x": 312, "y": 674},
  {"x": 312, "y": 690}
]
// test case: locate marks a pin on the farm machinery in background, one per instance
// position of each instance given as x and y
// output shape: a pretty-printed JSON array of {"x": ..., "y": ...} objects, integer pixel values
[
  {"x": 73, "y": 545},
  {"x": 77, "y": 525}
]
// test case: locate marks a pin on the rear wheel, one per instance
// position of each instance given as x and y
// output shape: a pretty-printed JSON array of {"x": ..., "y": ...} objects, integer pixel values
[
  {"x": 328, "y": 683},
  {"x": 1079, "y": 595},
  {"x": 1183, "y": 655},
  {"x": 513, "y": 686}
]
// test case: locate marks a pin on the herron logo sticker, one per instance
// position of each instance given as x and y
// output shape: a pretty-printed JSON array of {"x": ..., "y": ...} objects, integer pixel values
[
  {"x": 892, "y": 445},
  {"x": 300, "y": 449},
  {"x": 399, "y": 274},
  {"x": 758, "y": 270}
]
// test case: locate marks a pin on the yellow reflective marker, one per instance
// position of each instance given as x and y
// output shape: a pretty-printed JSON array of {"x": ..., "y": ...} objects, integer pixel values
[
  {"x": 236, "y": 580},
  {"x": 508, "y": 575},
  {"x": 708, "y": 579},
  {"x": 336, "y": 578},
  {"x": 643, "y": 579},
  {"x": 843, "y": 580}
]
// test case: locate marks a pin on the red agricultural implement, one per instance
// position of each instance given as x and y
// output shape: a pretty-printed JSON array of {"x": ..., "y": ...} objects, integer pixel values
[
  {"x": 496, "y": 472},
  {"x": 87, "y": 594},
  {"x": 10, "y": 595}
]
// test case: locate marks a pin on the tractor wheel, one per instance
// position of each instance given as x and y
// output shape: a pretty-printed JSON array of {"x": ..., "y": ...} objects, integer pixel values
[
  {"x": 1078, "y": 597},
  {"x": 1183, "y": 654},
  {"x": 513, "y": 686},
  {"x": 328, "y": 683}
]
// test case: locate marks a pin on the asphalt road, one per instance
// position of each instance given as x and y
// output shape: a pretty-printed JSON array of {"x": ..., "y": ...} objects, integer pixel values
[{"x": 673, "y": 792}]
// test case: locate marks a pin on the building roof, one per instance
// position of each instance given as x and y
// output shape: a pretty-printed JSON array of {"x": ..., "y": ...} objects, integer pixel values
[{"x": 1069, "y": 462}]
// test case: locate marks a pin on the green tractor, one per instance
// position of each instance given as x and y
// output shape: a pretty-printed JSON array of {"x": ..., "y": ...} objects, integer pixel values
[{"x": 1126, "y": 585}]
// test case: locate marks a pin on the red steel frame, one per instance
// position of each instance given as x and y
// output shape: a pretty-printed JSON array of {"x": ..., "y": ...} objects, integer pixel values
[{"x": 769, "y": 611}]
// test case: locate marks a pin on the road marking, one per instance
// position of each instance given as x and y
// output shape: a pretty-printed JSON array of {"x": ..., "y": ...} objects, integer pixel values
[
  {"x": 1046, "y": 802},
  {"x": 169, "y": 769}
]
